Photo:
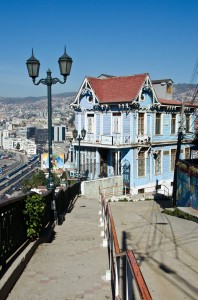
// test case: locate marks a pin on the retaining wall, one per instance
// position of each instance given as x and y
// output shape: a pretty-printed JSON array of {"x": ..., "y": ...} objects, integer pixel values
[{"x": 110, "y": 186}]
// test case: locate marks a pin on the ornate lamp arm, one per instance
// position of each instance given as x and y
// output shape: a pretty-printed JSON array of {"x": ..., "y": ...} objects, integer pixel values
[{"x": 49, "y": 80}]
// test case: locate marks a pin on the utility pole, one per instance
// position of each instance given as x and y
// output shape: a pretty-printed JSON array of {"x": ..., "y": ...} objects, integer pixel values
[{"x": 178, "y": 151}]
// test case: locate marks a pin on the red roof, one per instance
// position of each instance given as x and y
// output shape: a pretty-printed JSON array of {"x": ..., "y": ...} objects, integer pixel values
[
  {"x": 117, "y": 89},
  {"x": 175, "y": 102},
  {"x": 169, "y": 102},
  {"x": 195, "y": 104}
]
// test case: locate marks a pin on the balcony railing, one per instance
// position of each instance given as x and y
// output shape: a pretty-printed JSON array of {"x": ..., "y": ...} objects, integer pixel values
[{"x": 115, "y": 139}]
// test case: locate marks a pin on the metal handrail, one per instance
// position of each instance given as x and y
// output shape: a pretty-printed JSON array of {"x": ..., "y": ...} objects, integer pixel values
[{"x": 133, "y": 270}]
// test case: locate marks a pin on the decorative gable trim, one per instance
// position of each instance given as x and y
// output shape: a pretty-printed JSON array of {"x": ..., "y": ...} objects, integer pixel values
[
  {"x": 147, "y": 88},
  {"x": 84, "y": 90}
]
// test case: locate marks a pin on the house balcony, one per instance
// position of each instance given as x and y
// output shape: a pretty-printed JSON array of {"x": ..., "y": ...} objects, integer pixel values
[
  {"x": 115, "y": 139},
  {"x": 143, "y": 139}
]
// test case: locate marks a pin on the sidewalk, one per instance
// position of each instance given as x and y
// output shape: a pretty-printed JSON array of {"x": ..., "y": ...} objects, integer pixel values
[{"x": 73, "y": 265}]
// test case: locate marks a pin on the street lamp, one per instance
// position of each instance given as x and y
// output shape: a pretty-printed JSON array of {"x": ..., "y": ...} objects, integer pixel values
[
  {"x": 79, "y": 139},
  {"x": 33, "y": 65}
]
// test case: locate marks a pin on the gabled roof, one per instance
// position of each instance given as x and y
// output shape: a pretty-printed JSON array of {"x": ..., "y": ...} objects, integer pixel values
[{"x": 117, "y": 89}]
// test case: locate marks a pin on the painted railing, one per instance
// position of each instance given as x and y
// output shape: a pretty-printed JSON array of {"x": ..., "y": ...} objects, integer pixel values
[
  {"x": 132, "y": 268},
  {"x": 114, "y": 139},
  {"x": 13, "y": 230},
  {"x": 157, "y": 189}
]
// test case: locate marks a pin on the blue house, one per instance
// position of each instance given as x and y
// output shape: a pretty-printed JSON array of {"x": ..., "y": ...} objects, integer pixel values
[{"x": 131, "y": 125}]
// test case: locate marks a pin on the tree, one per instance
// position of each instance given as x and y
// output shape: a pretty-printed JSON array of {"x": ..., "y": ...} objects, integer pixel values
[
  {"x": 36, "y": 180},
  {"x": 56, "y": 179},
  {"x": 64, "y": 176},
  {"x": 39, "y": 179},
  {"x": 18, "y": 146}
]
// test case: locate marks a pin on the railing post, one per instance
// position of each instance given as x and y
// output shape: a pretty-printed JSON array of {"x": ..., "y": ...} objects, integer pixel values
[
  {"x": 117, "y": 277},
  {"x": 129, "y": 295}
]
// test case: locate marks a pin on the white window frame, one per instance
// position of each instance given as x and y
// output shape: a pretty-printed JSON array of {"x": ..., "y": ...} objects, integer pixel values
[
  {"x": 145, "y": 123},
  {"x": 190, "y": 122},
  {"x": 119, "y": 118},
  {"x": 175, "y": 123},
  {"x": 93, "y": 123},
  {"x": 161, "y": 124}
]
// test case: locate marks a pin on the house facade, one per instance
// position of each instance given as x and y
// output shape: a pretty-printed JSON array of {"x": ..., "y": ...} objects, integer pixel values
[{"x": 131, "y": 125}]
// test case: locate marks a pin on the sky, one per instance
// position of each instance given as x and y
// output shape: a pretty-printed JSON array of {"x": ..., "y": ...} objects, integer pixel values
[{"x": 115, "y": 37}]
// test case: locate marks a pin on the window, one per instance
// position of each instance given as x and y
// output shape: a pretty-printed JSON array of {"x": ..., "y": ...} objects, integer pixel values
[
  {"x": 173, "y": 157},
  {"x": 187, "y": 123},
  {"x": 158, "y": 123},
  {"x": 141, "y": 124},
  {"x": 158, "y": 163},
  {"x": 169, "y": 88},
  {"x": 90, "y": 123},
  {"x": 173, "y": 124},
  {"x": 187, "y": 153},
  {"x": 141, "y": 164},
  {"x": 116, "y": 123}
]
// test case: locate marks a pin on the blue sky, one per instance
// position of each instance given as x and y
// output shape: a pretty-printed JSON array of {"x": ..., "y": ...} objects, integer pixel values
[{"x": 118, "y": 37}]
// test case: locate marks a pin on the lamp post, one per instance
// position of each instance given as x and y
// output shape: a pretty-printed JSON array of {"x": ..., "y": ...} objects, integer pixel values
[
  {"x": 79, "y": 139},
  {"x": 33, "y": 65}
]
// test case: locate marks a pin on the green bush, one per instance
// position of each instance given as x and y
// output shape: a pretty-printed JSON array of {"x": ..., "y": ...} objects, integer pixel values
[{"x": 34, "y": 212}]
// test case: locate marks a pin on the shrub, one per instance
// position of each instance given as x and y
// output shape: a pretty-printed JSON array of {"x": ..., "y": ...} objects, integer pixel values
[
  {"x": 180, "y": 214},
  {"x": 34, "y": 212}
]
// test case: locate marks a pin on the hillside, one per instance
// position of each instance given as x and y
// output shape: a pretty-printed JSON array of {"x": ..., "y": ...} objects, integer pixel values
[
  {"x": 30, "y": 99},
  {"x": 185, "y": 92},
  {"x": 181, "y": 92}
]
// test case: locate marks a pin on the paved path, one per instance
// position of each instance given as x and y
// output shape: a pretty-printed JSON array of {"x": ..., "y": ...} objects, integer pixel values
[
  {"x": 73, "y": 265},
  {"x": 166, "y": 248}
]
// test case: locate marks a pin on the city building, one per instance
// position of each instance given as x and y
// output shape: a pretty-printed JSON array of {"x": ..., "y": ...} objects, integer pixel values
[
  {"x": 41, "y": 135},
  {"x": 31, "y": 132},
  {"x": 131, "y": 127},
  {"x": 58, "y": 133}
]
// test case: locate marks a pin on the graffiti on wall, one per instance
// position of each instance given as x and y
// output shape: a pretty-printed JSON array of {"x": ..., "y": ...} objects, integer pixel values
[
  {"x": 57, "y": 162},
  {"x": 187, "y": 186}
]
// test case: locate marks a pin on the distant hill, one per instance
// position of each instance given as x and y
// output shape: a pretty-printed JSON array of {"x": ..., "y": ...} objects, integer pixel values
[
  {"x": 185, "y": 92},
  {"x": 181, "y": 91},
  {"x": 21, "y": 100}
]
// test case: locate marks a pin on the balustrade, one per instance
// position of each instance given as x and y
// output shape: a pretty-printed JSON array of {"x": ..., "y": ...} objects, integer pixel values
[{"x": 13, "y": 230}]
